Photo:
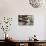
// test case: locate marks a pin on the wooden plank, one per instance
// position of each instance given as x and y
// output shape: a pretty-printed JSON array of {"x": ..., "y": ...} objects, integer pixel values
[{"x": 25, "y": 44}]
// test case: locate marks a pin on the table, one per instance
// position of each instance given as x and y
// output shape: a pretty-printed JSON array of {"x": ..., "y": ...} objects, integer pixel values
[{"x": 27, "y": 42}]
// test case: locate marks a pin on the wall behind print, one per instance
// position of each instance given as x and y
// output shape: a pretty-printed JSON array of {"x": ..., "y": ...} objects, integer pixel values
[{"x": 13, "y": 8}]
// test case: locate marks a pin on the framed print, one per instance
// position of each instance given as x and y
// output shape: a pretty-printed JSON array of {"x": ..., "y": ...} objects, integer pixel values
[{"x": 25, "y": 19}]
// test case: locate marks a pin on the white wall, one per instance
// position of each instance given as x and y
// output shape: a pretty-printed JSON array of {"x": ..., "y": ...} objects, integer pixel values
[{"x": 13, "y": 8}]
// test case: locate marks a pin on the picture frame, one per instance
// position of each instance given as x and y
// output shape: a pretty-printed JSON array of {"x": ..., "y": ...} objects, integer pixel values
[{"x": 25, "y": 20}]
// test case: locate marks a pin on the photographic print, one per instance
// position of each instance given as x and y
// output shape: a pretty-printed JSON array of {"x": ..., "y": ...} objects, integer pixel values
[{"x": 25, "y": 19}]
